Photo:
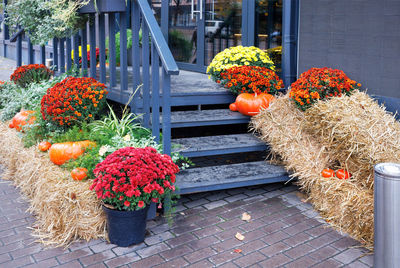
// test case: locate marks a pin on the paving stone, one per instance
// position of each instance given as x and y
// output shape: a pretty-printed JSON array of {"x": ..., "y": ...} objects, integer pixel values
[
  {"x": 276, "y": 261},
  {"x": 102, "y": 247},
  {"x": 274, "y": 194},
  {"x": 252, "y": 225},
  {"x": 227, "y": 245},
  {"x": 250, "y": 259},
  {"x": 209, "y": 221},
  {"x": 196, "y": 203},
  {"x": 211, "y": 230},
  {"x": 72, "y": 264},
  {"x": 217, "y": 196},
  {"x": 97, "y": 265},
  {"x": 215, "y": 204},
  {"x": 275, "y": 237},
  {"x": 158, "y": 238},
  {"x": 298, "y": 251},
  {"x": 181, "y": 239},
  {"x": 345, "y": 243},
  {"x": 176, "y": 263},
  {"x": 368, "y": 260},
  {"x": 323, "y": 253},
  {"x": 223, "y": 257},
  {"x": 26, "y": 251},
  {"x": 253, "y": 192},
  {"x": 321, "y": 241},
  {"x": 49, "y": 253},
  {"x": 84, "y": 244},
  {"x": 198, "y": 255},
  {"x": 176, "y": 252},
  {"x": 227, "y": 224},
  {"x": 297, "y": 228},
  {"x": 71, "y": 256},
  {"x": 330, "y": 263},
  {"x": 201, "y": 264},
  {"x": 97, "y": 257},
  {"x": 42, "y": 264},
  {"x": 357, "y": 264},
  {"x": 18, "y": 262},
  {"x": 5, "y": 257},
  {"x": 121, "y": 260},
  {"x": 349, "y": 255},
  {"x": 202, "y": 243},
  {"x": 297, "y": 239},
  {"x": 147, "y": 262},
  {"x": 319, "y": 230},
  {"x": 302, "y": 262},
  {"x": 253, "y": 246},
  {"x": 228, "y": 265},
  {"x": 126, "y": 250},
  {"x": 233, "y": 213},
  {"x": 274, "y": 249},
  {"x": 274, "y": 227},
  {"x": 152, "y": 250},
  {"x": 235, "y": 198}
]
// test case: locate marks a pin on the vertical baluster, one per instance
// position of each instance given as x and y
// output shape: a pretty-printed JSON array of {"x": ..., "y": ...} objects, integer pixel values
[
  {"x": 43, "y": 54},
  {"x": 123, "y": 52},
  {"x": 55, "y": 54},
  {"x": 146, "y": 75},
  {"x": 76, "y": 51},
  {"x": 19, "y": 50},
  {"x": 155, "y": 93},
  {"x": 166, "y": 112},
  {"x": 102, "y": 47},
  {"x": 111, "y": 49},
  {"x": 84, "y": 52},
  {"x": 92, "y": 41},
  {"x": 6, "y": 29},
  {"x": 135, "y": 51},
  {"x": 68, "y": 54},
  {"x": 31, "y": 59},
  {"x": 62, "y": 55}
]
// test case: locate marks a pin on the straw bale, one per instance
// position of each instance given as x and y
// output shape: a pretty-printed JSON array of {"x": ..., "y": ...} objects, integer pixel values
[
  {"x": 345, "y": 204},
  {"x": 358, "y": 131},
  {"x": 65, "y": 210}
]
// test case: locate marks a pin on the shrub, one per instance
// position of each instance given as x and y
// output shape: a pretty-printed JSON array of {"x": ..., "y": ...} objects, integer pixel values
[
  {"x": 319, "y": 84},
  {"x": 181, "y": 47},
  {"x": 25, "y": 75},
  {"x": 73, "y": 101},
  {"x": 238, "y": 56},
  {"x": 251, "y": 79},
  {"x": 131, "y": 178}
]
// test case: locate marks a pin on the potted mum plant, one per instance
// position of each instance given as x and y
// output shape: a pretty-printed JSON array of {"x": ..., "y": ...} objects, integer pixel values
[{"x": 126, "y": 182}]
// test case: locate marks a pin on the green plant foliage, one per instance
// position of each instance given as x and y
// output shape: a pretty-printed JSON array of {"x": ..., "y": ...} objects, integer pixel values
[
  {"x": 46, "y": 19},
  {"x": 117, "y": 44},
  {"x": 183, "y": 48},
  {"x": 14, "y": 98}
]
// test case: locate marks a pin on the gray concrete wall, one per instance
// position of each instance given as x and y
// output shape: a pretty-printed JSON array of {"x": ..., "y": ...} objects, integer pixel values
[{"x": 361, "y": 37}]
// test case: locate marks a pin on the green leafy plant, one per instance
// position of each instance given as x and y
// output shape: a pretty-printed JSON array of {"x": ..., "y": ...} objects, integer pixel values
[
  {"x": 183, "y": 48},
  {"x": 46, "y": 19},
  {"x": 117, "y": 44}
]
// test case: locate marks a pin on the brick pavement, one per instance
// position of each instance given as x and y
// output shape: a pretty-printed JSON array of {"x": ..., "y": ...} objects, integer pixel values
[
  {"x": 283, "y": 232},
  {"x": 7, "y": 67}
]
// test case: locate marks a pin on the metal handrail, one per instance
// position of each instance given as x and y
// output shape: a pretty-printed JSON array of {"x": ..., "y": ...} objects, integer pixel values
[{"x": 160, "y": 43}]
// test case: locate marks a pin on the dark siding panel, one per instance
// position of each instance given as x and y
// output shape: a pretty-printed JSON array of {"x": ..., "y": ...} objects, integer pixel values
[{"x": 360, "y": 37}]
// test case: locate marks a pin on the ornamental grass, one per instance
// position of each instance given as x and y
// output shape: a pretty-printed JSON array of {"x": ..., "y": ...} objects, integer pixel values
[
  {"x": 65, "y": 210},
  {"x": 351, "y": 132}
]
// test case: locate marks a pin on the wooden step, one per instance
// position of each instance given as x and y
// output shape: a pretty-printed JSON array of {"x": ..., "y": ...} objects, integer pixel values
[
  {"x": 229, "y": 176},
  {"x": 207, "y": 118},
  {"x": 218, "y": 145}
]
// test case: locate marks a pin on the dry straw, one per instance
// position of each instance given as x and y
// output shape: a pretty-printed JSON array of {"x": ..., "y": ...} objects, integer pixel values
[
  {"x": 65, "y": 210},
  {"x": 344, "y": 132}
]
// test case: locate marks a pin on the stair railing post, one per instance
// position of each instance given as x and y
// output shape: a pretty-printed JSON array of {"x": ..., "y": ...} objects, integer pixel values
[
  {"x": 135, "y": 21},
  {"x": 146, "y": 76},
  {"x": 31, "y": 59},
  {"x": 55, "y": 54},
  {"x": 19, "y": 50}
]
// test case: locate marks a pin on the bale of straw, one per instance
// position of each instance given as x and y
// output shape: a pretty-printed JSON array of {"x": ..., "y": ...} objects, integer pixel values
[
  {"x": 358, "y": 131},
  {"x": 345, "y": 204},
  {"x": 65, "y": 210}
]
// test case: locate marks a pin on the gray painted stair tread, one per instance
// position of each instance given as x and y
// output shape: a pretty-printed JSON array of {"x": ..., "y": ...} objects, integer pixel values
[
  {"x": 222, "y": 142},
  {"x": 207, "y": 115},
  {"x": 242, "y": 172}
]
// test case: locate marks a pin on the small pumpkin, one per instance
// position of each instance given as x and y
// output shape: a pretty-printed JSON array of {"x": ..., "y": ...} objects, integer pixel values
[
  {"x": 44, "y": 146},
  {"x": 343, "y": 174},
  {"x": 251, "y": 104},
  {"x": 79, "y": 173},
  {"x": 60, "y": 153},
  {"x": 328, "y": 173},
  {"x": 21, "y": 119},
  {"x": 233, "y": 107}
]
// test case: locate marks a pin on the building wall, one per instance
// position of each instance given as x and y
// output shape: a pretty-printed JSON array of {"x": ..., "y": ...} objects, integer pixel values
[{"x": 361, "y": 37}]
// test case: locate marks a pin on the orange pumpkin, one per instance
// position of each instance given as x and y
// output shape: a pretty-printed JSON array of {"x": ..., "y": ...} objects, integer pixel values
[
  {"x": 328, "y": 173},
  {"x": 251, "y": 104},
  {"x": 21, "y": 119},
  {"x": 44, "y": 146},
  {"x": 60, "y": 153},
  {"x": 233, "y": 107},
  {"x": 79, "y": 173}
]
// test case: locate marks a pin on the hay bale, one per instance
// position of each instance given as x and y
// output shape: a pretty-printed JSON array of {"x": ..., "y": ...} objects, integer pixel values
[
  {"x": 65, "y": 210},
  {"x": 345, "y": 204},
  {"x": 358, "y": 131}
]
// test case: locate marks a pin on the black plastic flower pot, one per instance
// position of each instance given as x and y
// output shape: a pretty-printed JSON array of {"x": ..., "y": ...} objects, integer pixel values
[
  {"x": 126, "y": 228},
  {"x": 103, "y": 6}
]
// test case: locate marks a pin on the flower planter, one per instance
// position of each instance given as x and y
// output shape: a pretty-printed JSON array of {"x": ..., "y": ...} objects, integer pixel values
[
  {"x": 104, "y": 6},
  {"x": 126, "y": 228}
]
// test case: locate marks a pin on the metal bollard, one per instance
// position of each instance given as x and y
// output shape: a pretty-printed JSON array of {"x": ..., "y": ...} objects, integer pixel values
[{"x": 387, "y": 215}]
